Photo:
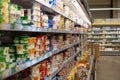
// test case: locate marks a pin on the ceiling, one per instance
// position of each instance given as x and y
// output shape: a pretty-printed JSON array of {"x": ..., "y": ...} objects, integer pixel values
[{"x": 104, "y": 4}]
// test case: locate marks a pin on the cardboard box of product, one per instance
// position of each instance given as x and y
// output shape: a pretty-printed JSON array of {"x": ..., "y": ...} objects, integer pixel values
[
  {"x": 96, "y": 51},
  {"x": 94, "y": 48},
  {"x": 90, "y": 48}
]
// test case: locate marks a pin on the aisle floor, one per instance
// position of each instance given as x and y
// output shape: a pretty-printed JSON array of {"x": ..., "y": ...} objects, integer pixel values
[{"x": 108, "y": 68}]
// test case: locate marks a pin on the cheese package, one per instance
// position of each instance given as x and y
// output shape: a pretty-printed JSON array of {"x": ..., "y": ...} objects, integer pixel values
[
  {"x": 5, "y": 12},
  {"x": 0, "y": 12},
  {"x": 56, "y": 22},
  {"x": 31, "y": 48},
  {"x": 35, "y": 74},
  {"x": 23, "y": 39},
  {"x": 14, "y": 13},
  {"x": 61, "y": 23},
  {"x": 19, "y": 49},
  {"x": 36, "y": 15},
  {"x": 16, "y": 40},
  {"x": 2, "y": 66},
  {"x": 12, "y": 48},
  {"x": 4, "y": 51}
]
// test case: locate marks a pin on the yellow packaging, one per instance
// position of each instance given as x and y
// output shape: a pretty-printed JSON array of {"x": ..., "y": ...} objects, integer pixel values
[{"x": 5, "y": 12}]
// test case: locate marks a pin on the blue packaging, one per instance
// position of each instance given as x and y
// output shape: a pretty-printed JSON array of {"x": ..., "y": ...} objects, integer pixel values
[
  {"x": 52, "y": 2},
  {"x": 46, "y": 78},
  {"x": 50, "y": 23}
]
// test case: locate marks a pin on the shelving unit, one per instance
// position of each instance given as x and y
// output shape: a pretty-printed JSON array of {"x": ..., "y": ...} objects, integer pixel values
[
  {"x": 36, "y": 46},
  {"x": 37, "y": 60},
  {"x": 42, "y": 31},
  {"x": 91, "y": 66},
  {"x": 75, "y": 71},
  {"x": 107, "y": 36}
]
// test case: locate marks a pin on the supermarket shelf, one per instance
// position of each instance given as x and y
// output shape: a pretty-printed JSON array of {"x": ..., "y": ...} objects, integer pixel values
[
  {"x": 69, "y": 72},
  {"x": 113, "y": 41},
  {"x": 110, "y": 53},
  {"x": 98, "y": 30},
  {"x": 54, "y": 10},
  {"x": 45, "y": 6},
  {"x": 7, "y": 73},
  {"x": 42, "y": 31},
  {"x": 95, "y": 38},
  {"x": 84, "y": 33},
  {"x": 112, "y": 30},
  {"x": 111, "y": 38},
  {"x": 109, "y": 45},
  {"x": 105, "y": 41},
  {"x": 111, "y": 33},
  {"x": 90, "y": 70},
  {"x": 95, "y": 41},
  {"x": 62, "y": 65},
  {"x": 104, "y": 33},
  {"x": 105, "y": 38},
  {"x": 96, "y": 34},
  {"x": 105, "y": 24},
  {"x": 96, "y": 69}
]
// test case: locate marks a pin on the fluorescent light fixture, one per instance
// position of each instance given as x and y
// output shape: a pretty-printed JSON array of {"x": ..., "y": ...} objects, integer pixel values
[
  {"x": 80, "y": 11},
  {"x": 97, "y": 9}
]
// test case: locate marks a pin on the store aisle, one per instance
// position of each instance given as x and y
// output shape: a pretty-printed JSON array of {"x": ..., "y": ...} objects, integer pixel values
[{"x": 108, "y": 68}]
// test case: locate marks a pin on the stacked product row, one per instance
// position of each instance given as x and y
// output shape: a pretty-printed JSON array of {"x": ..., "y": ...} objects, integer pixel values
[
  {"x": 40, "y": 40},
  {"x": 44, "y": 69},
  {"x": 26, "y": 48},
  {"x": 15, "y": 17},
  {"x": 106, "y": 36},
  {"x": 81, "y": 69},
  {"x": 59, "y": 5}
]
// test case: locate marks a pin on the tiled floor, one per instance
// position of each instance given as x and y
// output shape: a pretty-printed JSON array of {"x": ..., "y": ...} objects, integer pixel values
[{"x": 108, "y": 68}]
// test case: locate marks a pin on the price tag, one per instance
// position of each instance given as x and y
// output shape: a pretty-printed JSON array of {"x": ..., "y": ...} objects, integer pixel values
[
  {"x": 45, "y": 56},
  {"x": 28, "y": 64},
  {"x": 55, "y": 51},
  {"x": 19, "y": 67},
  {"x": 49, "y": 54},
  {"x": 34, "y": 61}
]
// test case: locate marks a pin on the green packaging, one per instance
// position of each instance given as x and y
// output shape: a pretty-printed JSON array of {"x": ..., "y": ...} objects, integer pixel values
[
  {"x": 2, "y": 58},
  {"x": 2, "y": 66},
  {"x": 0, "y": 3},
  {"x": 20, "y": 56},
  {"x": 12, "y": 57},
  {"x": 24, "y": 39},
  {"x": 12, "y": 48},
  {"x": 16, "y": 40},
  {"x": 7, "y": 65},
  {"x": 25, "y": 47},
  {"x": 19, "y": 49},
  {"x": 13, "y": 68},
  {"x": 6, "y": 0},
  {"x": 4, "y": 50},
  {"x": 0, "y": 18}
]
